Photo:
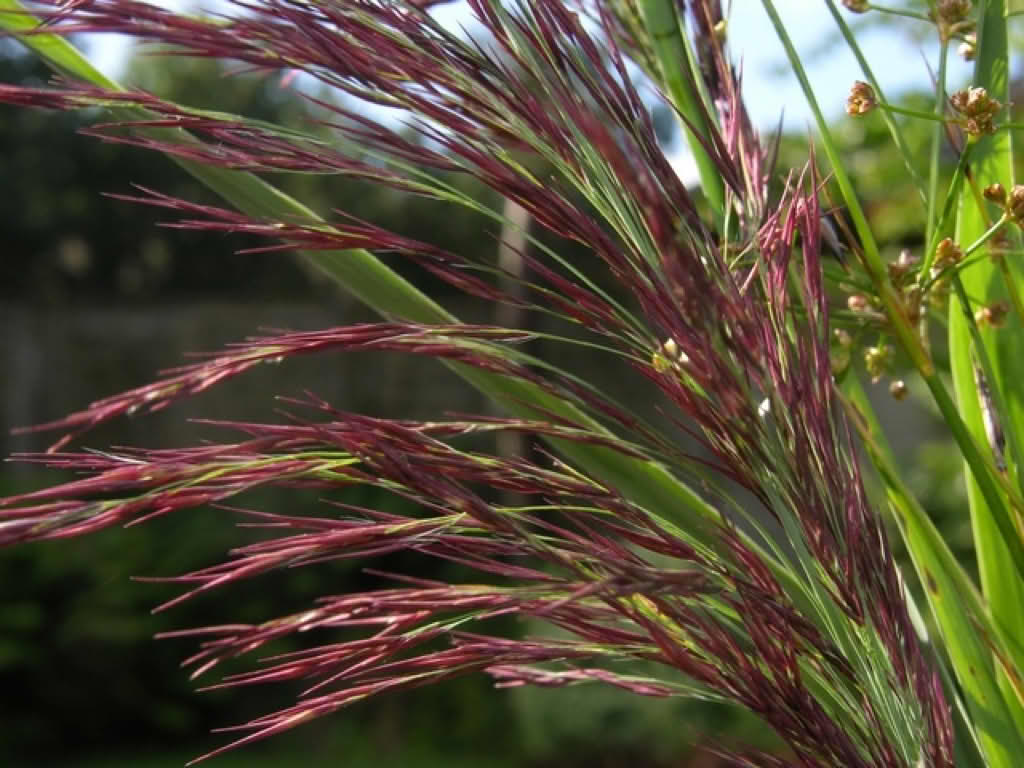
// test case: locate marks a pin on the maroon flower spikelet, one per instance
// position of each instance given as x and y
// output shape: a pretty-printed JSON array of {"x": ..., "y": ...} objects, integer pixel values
[{"x": 736, "y": 345}]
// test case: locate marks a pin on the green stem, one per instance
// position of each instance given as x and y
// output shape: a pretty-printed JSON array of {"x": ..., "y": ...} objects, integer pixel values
[
  {"x": 1012, "y": 289},
  {"x": 665, "y": 28},
  {"x": 894, "y": 130},
  {"x": 991, "y": 161},
  {"x": 896, "y": 110},
  {"x": 983, "y": 471},
  {"x": 948, "y": 206},
  {"x": 895, "y": 309},
  {"x": 899, "y": 12},
  {"x": 933, "y": 168},
  {"x": 998, "y": 405},
  {"x": 967, "y": 260}
]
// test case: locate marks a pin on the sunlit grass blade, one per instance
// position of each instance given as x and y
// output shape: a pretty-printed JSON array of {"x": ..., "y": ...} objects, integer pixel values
[
  {"x": 985, "y": 283},
  {"x": 955, "y": 604},
  {"x": 933, "y": 228},
  {"x": 675, "y": 61}
]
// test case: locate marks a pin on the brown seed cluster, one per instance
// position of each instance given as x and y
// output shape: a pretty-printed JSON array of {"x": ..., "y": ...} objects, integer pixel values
[
  {"x": 993, "y": 315},
  {"x": 952, "y": 11},
  {"x": 951, "y": 18},
  {"x": 1012, "y": 203},
  {"x": 861, "y": 99},
  {"x": 1015, "y": 205},
  {"x": 978, "y": 111}
]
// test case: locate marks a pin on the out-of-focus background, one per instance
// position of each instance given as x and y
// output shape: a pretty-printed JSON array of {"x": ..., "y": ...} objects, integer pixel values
[{"x": 95, "y": 298}]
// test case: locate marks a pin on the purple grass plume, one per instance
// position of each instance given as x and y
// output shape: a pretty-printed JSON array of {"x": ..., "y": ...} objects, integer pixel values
[{"x": 790, "y": 606}]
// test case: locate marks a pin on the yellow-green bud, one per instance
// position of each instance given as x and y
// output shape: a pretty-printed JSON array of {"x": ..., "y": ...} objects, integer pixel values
[
  {"x": 667, "y": 356},
  {"x": 946, "y": 253},
  {"x": 877, "y": 360}
]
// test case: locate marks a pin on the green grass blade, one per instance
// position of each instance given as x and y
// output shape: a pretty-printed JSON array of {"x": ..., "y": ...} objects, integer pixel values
[
  {"x": 991, "y": 161},
  {"x": 899, "y": 140},
  {"x": 664, "y": 26},
  {"x": 937, "y": 136},
  {"x": 955, "y": 604}
]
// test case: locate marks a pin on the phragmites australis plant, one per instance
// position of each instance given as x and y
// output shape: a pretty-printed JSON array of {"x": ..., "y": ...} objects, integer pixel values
[{"x": 745, "y": 564}]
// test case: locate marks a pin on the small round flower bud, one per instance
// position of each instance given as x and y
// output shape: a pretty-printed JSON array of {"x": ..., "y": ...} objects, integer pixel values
[
  {"x": 969, "y": 47},
  {"x": 898, "y": 389},
  {"x": 1015, "y": 205},
  {"x": 995, "y": 193},
  {"x": 856, "y": 6},
  {"x": 950, "y": 16},
  {"x": 861, "y": 99},
  {"x": 877, "y": 360},
  {"x": 857, "y": 303},
  {"x": 992, "y": 316},
  {"x": 946, "y": 253},
  {"x": 898, "y": 269}
]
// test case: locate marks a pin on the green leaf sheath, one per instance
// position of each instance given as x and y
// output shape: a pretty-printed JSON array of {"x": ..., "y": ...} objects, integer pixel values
[
  {"x": 955, "y": 604},
  {"x": 991, "y": 161}
]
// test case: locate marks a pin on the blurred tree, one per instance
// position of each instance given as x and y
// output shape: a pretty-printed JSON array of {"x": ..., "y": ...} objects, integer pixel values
[
  {"x": 78, "y": 674},
  {"x": 77, "y": 246}
]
